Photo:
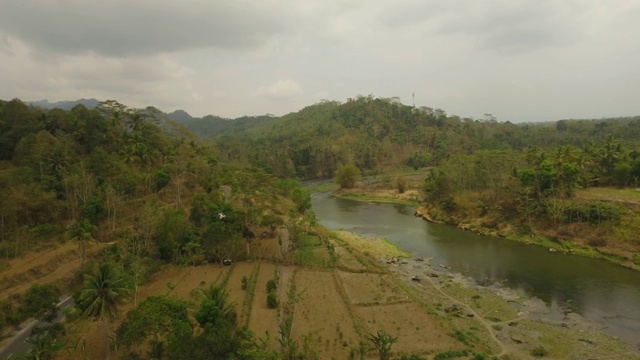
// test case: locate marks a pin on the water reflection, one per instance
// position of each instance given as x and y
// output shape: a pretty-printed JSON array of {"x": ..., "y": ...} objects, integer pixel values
[{"x": 596, "y": 289}]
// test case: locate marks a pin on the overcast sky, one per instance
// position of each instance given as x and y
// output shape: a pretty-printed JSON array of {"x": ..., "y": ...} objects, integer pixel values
[{"x": 520, "y": 60}]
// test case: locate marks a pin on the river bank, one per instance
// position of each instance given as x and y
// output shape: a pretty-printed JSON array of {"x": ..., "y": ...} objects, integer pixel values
[
  {"x": 488, "y": 226},
  {"x": 516, "y": 327}
]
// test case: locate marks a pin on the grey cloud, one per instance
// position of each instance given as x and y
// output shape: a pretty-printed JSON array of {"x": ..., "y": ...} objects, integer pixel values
[
  {"x": 123, "y": 27},
  {"x": 513, "y": 26}
]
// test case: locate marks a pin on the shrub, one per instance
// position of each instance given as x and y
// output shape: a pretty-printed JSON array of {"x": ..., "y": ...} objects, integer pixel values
[
  {"x": 244, "y": 283},
  {"x": 539, "y": 352},
  {"x": 451, "y": 354},
  {"x": 401, "y": 184},
  {"x": 272, "y": 300},
  {"x": 272, "y": 285},
  {"x": 347, "y": 176}
]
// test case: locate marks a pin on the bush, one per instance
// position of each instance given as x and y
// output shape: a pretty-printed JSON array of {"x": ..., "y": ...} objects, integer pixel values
[
  {"x": 272, "y": 285},
  {"x": 594, "y": 213},
  {"x": 451, "y": 354},
  {"x": 244, "y": 283},
  {"x": 347, "y": 176},
  {"x": 401, "y": 184},
  {"x": 272, "y": 300},
  {"x": 539, "y": 352}
]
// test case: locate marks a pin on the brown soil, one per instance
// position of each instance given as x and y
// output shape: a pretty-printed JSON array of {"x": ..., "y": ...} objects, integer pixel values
[
  {"x": 263, "y": 320},
  {"x": 321, "y": 315}
]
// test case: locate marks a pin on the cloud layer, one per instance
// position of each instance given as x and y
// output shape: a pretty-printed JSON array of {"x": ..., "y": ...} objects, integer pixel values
[{"x": 522, "y": 60}]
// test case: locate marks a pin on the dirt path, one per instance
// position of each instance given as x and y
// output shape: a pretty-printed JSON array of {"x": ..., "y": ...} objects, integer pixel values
[{"x": 503, "y": 347}]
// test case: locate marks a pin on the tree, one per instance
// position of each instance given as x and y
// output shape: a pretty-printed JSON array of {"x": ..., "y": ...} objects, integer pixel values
[
  {"x": 45, "y": 341},
  {"x": 40, "y": 302},
  {"x": 83, "y": 233},
  {"x": 101, "y": 293},
  {"x": 216, "y": 306},
  {"x": 218, "y": 320},
  {"x": 156, "y": 321},
  {"x": 383, "y": 342},
  {"x": 347, "y": 176}
]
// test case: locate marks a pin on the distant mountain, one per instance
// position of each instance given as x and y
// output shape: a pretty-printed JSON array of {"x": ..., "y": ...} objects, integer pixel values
[
  {"x": 65, "y": 105},
  {"x": 180, "y": 116},
  {"x": 214, "y": 126}
]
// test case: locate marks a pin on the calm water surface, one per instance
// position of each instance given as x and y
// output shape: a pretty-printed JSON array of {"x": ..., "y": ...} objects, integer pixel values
[{"x": 596, "y": 289}]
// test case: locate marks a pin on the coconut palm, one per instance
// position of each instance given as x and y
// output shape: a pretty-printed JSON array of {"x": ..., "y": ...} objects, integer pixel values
[
  {"x": 101, "y": 293},
  {"x": 82, "y": 232},
  {"x": 216, "y": 297}
]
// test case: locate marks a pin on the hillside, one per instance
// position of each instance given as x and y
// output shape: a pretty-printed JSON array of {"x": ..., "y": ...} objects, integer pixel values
[
  {"x": 108, "y": 186},
  {"x": 379, "y": 134}
]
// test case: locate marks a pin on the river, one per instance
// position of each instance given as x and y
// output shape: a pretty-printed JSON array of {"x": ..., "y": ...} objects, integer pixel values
[{"x": 594, "y": 288}]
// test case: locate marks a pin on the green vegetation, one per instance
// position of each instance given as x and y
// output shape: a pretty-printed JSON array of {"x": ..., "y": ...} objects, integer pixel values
[
  {"x": 347, "y": 175},
  {"x": 136, "y": 192},
  {"x": 539, "y": 352},
  {"x": 40, "y": 302},
  {"x": 101, "y": 293},
  {"x": 382, "y": 342}
]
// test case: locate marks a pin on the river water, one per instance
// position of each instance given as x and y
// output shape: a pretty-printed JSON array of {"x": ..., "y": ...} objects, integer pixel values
[{"x": 596, "y": 289}]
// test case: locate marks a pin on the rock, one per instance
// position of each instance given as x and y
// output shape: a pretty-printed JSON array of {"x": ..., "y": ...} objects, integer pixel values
[
  {"x": 513, "y": 323},
  {"x": 433, "y": 275},
  {"x": 470, "y": 315},
  {"x": 415, "y": 278}
]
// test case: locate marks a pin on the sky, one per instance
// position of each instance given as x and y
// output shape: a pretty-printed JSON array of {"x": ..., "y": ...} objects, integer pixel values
[{"x": 519, "y": 60}]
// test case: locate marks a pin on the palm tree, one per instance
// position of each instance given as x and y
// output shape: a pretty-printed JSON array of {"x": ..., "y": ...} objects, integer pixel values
[
  {"x": 101, "y": 293},
  {"x": 82, "y": 231},
  {"x": 217, "y": 296}
]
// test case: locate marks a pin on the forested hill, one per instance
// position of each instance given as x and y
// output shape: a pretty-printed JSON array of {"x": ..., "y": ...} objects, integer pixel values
[
  {"x": 379, "y": 134},
  {"x": 111, "y": 174},
  {"x": 215, "y": 126}
]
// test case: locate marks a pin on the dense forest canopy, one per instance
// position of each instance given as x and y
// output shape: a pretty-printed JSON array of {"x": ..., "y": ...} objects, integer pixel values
[
  {"x": 379, "y": 133},
  {"x": 111, "y": 173}
]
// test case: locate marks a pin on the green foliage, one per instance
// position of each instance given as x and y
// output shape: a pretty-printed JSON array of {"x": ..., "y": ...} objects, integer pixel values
[
  {"x": 161, "y": 180},
  {"x": 382, "y": 341},
  {"x": 93, "y": 209},
  {"x": 272, "y": 300},
  {"x": 40, "y": 302},
  {"x": 82, "y": 232},
  {"x": 173, "y": 235},
  {"x": 451, "y": 354},
  {"x": 9, "y": 314},
  {"x": 437, "y": 187},
  {"x": 539, "y": 352},
  {"x": 46, "y": 341},
  {"x": 347, "y": 176},
  {"x": 301, "y": 198},
  {"x": 272, "y": 285},
  {"x": 102, "y": 291},
  {"x": 419, "y": 160},
  {"x": 465, "y": 337},
  {"x": 244, "y": 283},
  {"x": 158, "y": 321},
  {"x": 595, "y": 213},
  {"x": 216, "y": 308},
  {"x": 412, "y": 357}
]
